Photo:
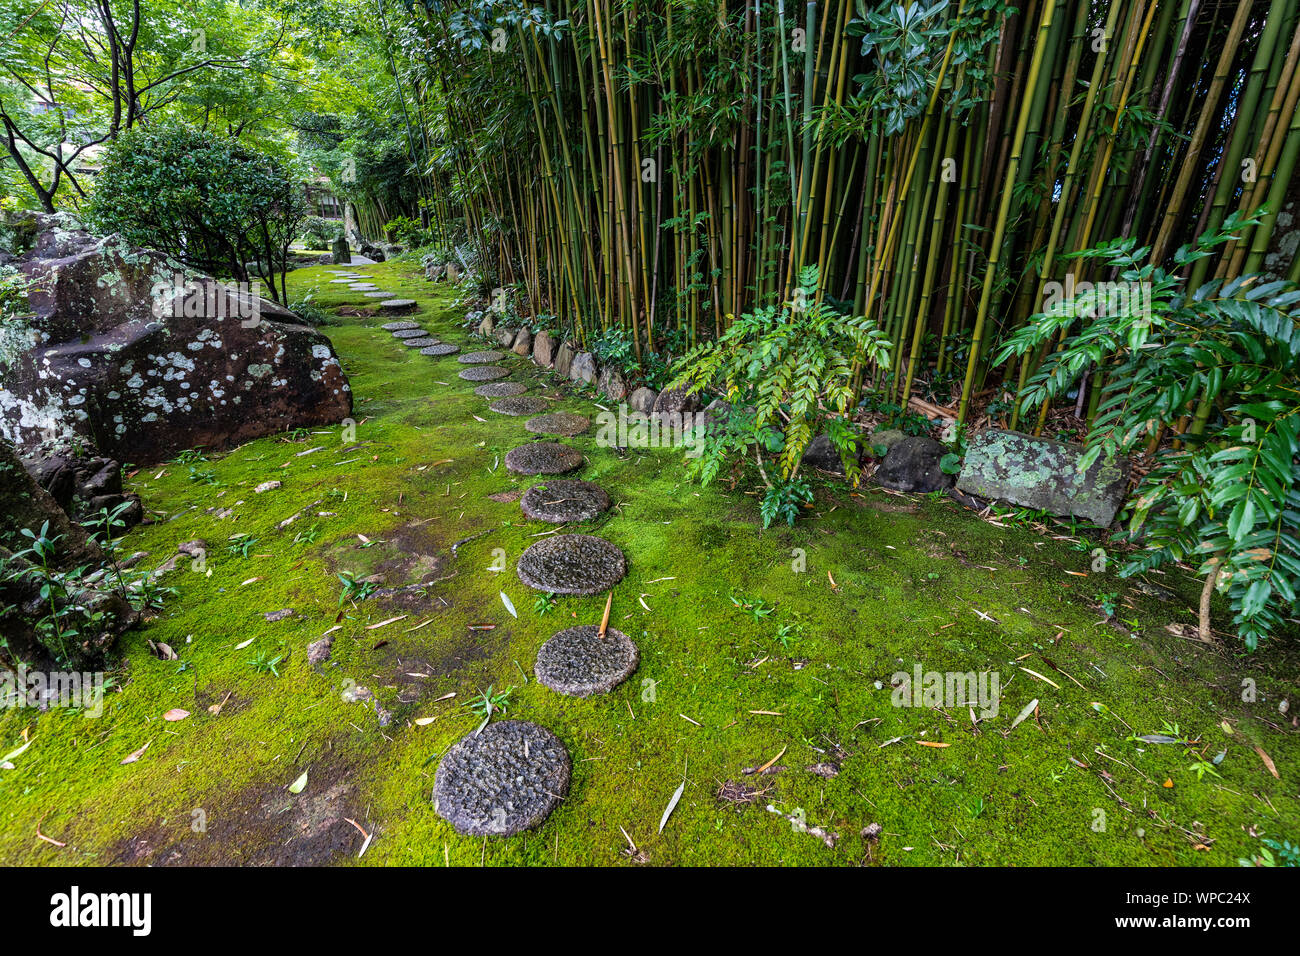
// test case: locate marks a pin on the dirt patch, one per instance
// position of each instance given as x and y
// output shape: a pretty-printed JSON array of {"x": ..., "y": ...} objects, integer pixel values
[{"x": 260, "y": 826}]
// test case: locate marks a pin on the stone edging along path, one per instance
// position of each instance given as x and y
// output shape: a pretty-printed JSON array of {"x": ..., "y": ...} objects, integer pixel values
[{"x": 508, "y": 776}]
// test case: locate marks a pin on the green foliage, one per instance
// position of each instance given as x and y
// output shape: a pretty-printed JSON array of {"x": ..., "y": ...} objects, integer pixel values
[
  {"x": 783, "y": 501},
  {"x": 209, "y": 202},
  {"x": 319, "y": 233},
  {"x": 1225, "y": 355},
  {"x": 788, "y": 373}
]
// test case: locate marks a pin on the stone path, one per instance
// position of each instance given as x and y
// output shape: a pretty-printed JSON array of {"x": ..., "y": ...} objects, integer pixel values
[{"x": 509, "y": 775}]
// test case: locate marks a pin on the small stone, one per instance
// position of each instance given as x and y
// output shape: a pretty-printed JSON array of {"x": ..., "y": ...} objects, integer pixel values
[
  {"x": 483, "y": 373},
  {"x": 267, "y": 486},
  {"x": 580, "y": 564},
  {"x": 506, "y": 778},
  {"x": 500, "y": 389},
  {"x": 485, "y": 327},
  {"x": 519, "y": 405},
  {"x": 278, "y": 615},
  {"x": 318, "y": 652},
  {"x": 562, "y": 501},
  {"x": 543, "y": 458},
  {"x": 506, "y": 337},
  {"x": 195, "y": 548},
  {"x": 442, "y": 348},
  {"x": 480, "y": 358},
  {"x": 579, "y": 662},
  {"x": 558, "y": 423}
]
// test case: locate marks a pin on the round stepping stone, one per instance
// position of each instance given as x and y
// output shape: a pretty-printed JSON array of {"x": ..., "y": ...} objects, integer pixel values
[
  {"x": 442, "y": 348},
  {"x": 483, "y": 373},
  {"x": 563, "y": 500},
  {"x": 379, "y": 295},
  {"x": 480, "y": 358},
  {"x": 558, "y": 423},
  {"x": 519, "y": 405},
  {"x": 341, "y": 281},
  {"x": 542, "y": 458},
  {"x": 412, "y": 333},
  {"x": 579, "y": 662},
  {"x": 421, "y": 343},
  {"x": 395, "y": 326},
  {"x": 363, "y": 287},
  {"x": 398, "y": 305},
  {"x": 499, "y": 389},
  {"x": 504, "y": 779},
  {"x": 579, "y": 564}
]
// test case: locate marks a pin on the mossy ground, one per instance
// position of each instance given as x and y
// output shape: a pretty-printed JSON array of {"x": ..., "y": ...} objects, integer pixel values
[{"x": 890, "y": 582}]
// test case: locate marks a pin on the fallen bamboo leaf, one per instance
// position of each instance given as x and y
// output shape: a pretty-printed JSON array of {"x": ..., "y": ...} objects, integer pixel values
[
  {"x": 672, "y": 805},
  {"x": 509, "y": 606},
  {"x": 298, "y": 785},
  {"x": 1268, "y": 761},
  {"x": 1029, "y": 709},
  {"x": 215, "y": 709},
  {"x": 768, "y": 766},
  {"x": 132, "y": 758},
  {"x": 932, "y": 743},
  {"x": 604, "y": 621},
  {"x": 240, "y": 647},
  {"x": 176, "y": 713},
  {"x": 1045, "y": 680},
  {"x": 371, "y": 627},
  {"x": 768, "y": 713}
]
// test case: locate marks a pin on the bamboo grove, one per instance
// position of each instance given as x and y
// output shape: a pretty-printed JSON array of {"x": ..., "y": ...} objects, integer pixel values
[{"x": 660, "y": 167}]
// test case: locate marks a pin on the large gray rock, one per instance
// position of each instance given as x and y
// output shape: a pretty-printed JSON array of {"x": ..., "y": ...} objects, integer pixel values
[
  {"x": 823, "y": 456},
  {"x": 612, "y": 384},
  {"x": 125, "y": 353},
  {"x": 583, "y": 368},
  {"x": 676, "y": 400},
  {"x": 486, "y": 326},
  {"x": 564, "y": 360},
  {"x": 1041, "y": 473},
  {"x": 643, "y": 400},
  {"x": 339, "y": 251},
  {"x": 543, "y": 348},
  {"x": 913, "y": 465},
  {"x": 506, "y": 337}
]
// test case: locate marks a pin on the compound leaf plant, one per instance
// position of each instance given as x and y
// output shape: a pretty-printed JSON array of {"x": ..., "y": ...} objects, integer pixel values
[
  {"x": 1215, "y": 365},
  {"x": 787, "y": 373}
]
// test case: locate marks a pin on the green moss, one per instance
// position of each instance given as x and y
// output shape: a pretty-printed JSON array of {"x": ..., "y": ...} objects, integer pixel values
[{"x": 889, "y": 583}]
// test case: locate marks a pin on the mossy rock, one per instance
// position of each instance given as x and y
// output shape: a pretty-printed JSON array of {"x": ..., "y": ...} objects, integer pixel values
[
  {"x": 579, "y": 662},
  {"x": 558, "y": 423},
  {"x": 564, "y": 500},
  {"x": 504, "y": 779},
  {"x": 580, "y": 564},
  {"x": 484, "y": 373},
  {"x": 499, "y": 389},
  {"x": 543, "y": 458},
  {"x": 519, "y": 405}
]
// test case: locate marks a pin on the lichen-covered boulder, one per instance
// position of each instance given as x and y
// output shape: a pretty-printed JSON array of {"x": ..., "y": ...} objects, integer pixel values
[
  {"x": 643, "y": 400},
  {"x": 1044, "y": 474},
  {"x": 523, "y": 343},
  {"x": 612, "y": 384},
  {"x": 126, "y": 353},
  {"x": 583, "y": 368},
  {"x": 564, "y": 360},
  {"x": 543, "y": 349}
]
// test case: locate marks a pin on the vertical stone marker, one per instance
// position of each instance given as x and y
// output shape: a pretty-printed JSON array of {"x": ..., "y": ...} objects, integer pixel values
[{"x": 1041, "y": 473}]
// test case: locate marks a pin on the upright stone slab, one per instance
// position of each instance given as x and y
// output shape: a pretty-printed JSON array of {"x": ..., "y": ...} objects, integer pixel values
[
  {"x": 543, "y": 349},
  {"x": 564, "y": 360},
  {"x": 523, "y": 343},
  {"x": 340, "y": 254},
  {"x": 583, "y": 368},
  {"x": 1041, "y": 473}
]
